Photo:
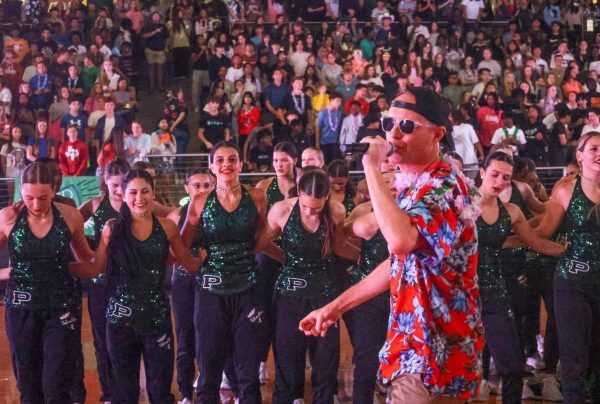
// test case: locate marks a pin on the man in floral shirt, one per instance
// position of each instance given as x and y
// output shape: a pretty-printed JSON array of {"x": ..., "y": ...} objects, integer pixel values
[{"x": 435, "y": 335}]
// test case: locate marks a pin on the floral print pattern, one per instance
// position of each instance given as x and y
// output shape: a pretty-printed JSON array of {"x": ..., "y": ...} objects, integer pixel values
[{"x": 435, "y": 324}]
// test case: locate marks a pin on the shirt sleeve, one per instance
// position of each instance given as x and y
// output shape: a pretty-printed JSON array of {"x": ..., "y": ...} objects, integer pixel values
[{"x": 436, "y": 222}]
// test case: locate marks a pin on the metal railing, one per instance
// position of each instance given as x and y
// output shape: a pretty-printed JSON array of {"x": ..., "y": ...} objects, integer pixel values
[{"x": 170, "y": 178}]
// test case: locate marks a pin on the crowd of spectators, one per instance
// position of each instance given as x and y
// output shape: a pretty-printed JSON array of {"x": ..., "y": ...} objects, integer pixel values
[{"x": 520, "y": 73}]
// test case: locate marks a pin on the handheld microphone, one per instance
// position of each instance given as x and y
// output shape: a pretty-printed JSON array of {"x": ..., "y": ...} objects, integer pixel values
[{"x": 362, "y": 148}]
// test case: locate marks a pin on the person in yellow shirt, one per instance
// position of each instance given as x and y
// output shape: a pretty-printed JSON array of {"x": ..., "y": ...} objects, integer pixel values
[{"x": 321, "y": 99}]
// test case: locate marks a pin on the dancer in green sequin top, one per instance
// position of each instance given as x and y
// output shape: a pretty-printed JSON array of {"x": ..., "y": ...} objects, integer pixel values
[
  {"x": 41, "y": 299},
  {"x": 342, "y": 189},
  {"x": 101, "y": 209},
  {"x": 311, "y": 230},
  {"x": 183, "y": 287},
  {"x": 278, "y": 188},
  {"x": 367, "y": 340},
  {"x": 498, "y": 219},
  {"x": 135, "y": 247},
  {"x": 231, "y": 306},
  {"x": 573, "y": 210}
]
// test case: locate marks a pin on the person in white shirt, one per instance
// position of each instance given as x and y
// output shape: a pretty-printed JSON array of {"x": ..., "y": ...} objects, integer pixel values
[
  {"x": 379, "y": 10},
  {"x": 593, "y": 124},
  {"x": 138, "y": 144},
  {"x": 414, "y": 30},
  {"x": 466, "y": 144},
  {"x": 509, "y": 134},
  {"x": 472, "y": 9},
  {"x": 351, "y": 124},
  {"x": 541, "y": 66}
]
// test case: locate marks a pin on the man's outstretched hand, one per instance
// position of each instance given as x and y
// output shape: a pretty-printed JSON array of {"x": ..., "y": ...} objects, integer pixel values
[{"x": 318, "y": 321}]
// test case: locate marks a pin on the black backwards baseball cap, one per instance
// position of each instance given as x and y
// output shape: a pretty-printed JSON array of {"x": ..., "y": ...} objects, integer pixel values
[{"x": 433, "y": 106}]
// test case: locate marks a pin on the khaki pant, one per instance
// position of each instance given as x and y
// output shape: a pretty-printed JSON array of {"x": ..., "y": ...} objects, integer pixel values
[{"x": 409, "y": 389}]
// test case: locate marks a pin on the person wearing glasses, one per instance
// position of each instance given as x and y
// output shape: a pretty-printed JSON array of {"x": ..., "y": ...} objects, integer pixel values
[{"x": 435, "y": 333}]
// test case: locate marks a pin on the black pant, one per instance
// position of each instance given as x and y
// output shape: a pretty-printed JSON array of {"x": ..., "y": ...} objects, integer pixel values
[
  {"x": 290, "y": 347},
  {"x": 503, "y": 342},
  {"x": 181, "y": 60},
  {"x": 228, "y": 324},
  {"x": 41, "y": 346},
  {"x": 367, "y": 326},
  {"x": 544, "y": 286},
  {"x": 183, "y": 289},
  {"x": 97, "y": 302},
  {"x": 269, "y": 271},
  {"x": 577, "y": 309},
  {"x": 126, "y": 346},
  {"x": 78, "y": 386}
]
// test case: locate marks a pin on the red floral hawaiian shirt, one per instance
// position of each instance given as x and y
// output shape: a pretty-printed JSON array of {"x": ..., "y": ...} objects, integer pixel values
[{"x": 435, "y": 324}]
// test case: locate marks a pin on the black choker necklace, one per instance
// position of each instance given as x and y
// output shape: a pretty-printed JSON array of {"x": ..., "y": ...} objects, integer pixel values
[
  {"x": 144, "y": 214},
  {"x": 232, "y": 189}
]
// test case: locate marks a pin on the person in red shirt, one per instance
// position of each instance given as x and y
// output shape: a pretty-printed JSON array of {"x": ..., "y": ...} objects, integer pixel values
[
  {"x": 247, "y": 118},
  {"x": 359, "y": 96},
  {"x": 435, "y": 332},
  {"x": 73, "y": 154},
  {"x": 489, "y": 117}
]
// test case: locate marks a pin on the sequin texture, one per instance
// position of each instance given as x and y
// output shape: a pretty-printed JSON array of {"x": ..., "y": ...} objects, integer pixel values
[
  {"x": 142, "y": 303},
  {"x": 305, "y": 273},
  {"x": 230, "y": 238},
  {"x": 581, "y": 260},
  {"x": 39, "y": 278},
  {"x": 372, "y": 253},
  {"x": 274, "y": 195},
  {"x": 196, "y": 243},
  {"x": 491, "y": 278},
  {"x": 103, "y": 214}
]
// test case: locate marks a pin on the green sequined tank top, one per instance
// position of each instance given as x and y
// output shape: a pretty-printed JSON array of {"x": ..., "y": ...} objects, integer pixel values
[
  {"x": 229, "y": 238},
  {"x": 492, "y": 284},
  {"x": 274, "y": 195},
  {"x": 142, "y": 303},
  {"x": 103, "y": 214},
  {"x": 196, "y": 243},
  {"x": 349, "y": 204},
  {"x": 580, "y": 261},
  {"x": 372, "y": 253},
  {"x": 514, "y": 259},
  {"x": 305, "y": 273},
  {"x": 39, "y": 278}
]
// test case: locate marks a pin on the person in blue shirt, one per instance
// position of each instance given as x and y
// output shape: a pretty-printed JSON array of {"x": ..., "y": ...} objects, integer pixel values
[
  {"x": 328, "y": 127},
  {"x": 41, "y": 87}
]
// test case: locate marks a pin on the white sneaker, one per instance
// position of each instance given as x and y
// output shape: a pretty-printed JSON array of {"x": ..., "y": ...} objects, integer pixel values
[
  {"x": 262, "y": 373},
  {"x": 195, "y": 385},
  {"x": 185, "y": 401},
  {"x": 536, "y": 362},
  {"x": 484, "y": 392},
  {"x": 551, "y": 391},
  {"x": 225, "y": 383},
  {"x": 527, "y": 393},
  {"x": 298, "y": 401}
]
